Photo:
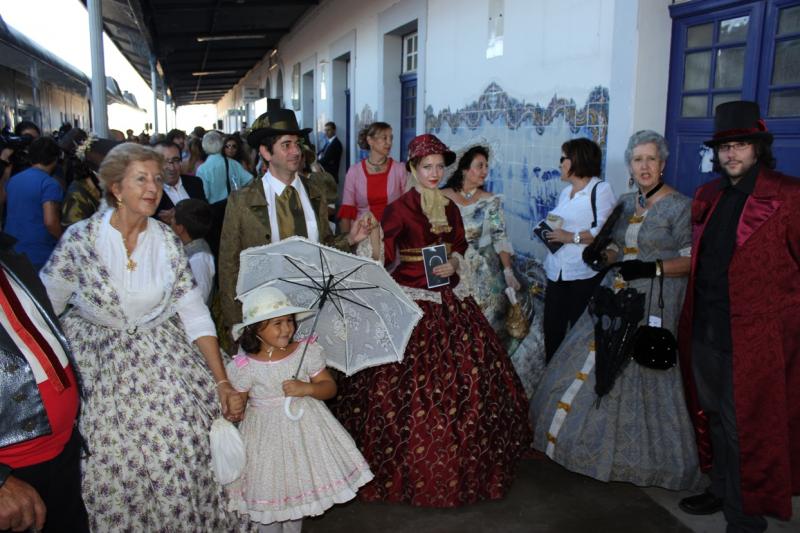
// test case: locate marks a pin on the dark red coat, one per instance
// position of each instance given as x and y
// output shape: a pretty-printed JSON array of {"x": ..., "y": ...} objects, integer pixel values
[{"x": 764, "y": 288}]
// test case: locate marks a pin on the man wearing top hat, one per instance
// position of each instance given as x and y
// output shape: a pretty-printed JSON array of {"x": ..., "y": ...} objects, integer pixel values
[
  {"x": 739, "y": 333},
  {"x": 279, "y": 205}
]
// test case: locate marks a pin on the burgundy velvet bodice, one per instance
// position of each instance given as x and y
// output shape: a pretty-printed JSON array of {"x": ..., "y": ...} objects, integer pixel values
[{"x": 406, "y": 227}]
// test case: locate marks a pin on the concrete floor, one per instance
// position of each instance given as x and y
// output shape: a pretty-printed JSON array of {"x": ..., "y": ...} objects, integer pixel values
[{"x": 544, "y": 498}]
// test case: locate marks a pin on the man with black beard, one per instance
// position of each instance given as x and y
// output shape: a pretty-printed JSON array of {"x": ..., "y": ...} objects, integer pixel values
[{"x": 740, "y": 330}]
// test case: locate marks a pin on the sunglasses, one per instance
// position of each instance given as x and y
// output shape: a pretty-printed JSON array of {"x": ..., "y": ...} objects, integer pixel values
[
  {"x": 231, "y": 146},
  {"x": 563, "y": 158}
]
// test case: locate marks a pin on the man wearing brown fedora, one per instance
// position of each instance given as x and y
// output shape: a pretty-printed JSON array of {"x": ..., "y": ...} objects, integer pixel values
[
  {"x": 281, "y": 204},
  {"x": 739, "y": 333}
]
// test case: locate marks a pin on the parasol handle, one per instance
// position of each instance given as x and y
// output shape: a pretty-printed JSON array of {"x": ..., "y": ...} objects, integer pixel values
[
  {"x": 288, "y": 401},
  {"x": 286, "y": 409}
]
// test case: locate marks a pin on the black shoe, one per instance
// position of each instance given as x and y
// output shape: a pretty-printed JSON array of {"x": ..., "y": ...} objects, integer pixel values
[{"x": 701, "y": 504}]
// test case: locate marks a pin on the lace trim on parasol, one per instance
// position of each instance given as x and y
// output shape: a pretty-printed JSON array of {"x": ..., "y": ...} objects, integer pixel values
[{"x": 422, "y": 294}]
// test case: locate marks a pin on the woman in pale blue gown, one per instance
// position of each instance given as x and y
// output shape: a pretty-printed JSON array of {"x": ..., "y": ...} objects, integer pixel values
[
  {"x": 640, "y": 431},
  {"x": 490, "y": 260}
]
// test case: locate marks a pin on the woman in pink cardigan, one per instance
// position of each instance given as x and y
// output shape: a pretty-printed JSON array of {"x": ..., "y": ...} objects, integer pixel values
[{"x": 376, "y": 181}]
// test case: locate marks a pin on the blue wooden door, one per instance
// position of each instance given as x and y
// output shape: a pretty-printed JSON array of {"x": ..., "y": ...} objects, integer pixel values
[
  {"x": 408, "y": 112},
  {"x": 725, "y": 50}
]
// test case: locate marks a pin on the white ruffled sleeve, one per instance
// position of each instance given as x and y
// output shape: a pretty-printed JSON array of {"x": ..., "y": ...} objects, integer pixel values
[{"x": 194, "y": 315}]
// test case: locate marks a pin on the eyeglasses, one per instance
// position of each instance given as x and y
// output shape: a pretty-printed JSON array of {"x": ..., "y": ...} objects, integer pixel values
[
  {"x": 563, "y": 158},
  {"x": 732, "y": 147},
  {"x": 173, "y": 161},
  {"x": 231, "y": 146}
]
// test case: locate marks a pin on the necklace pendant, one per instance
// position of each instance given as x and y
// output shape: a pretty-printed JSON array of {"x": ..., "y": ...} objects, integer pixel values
[
  {"x": 131, "y": 266},
  {"x": 642, "y": 201}
]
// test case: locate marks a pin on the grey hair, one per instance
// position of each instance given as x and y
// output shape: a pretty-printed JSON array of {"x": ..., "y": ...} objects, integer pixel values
[
  {"x": 646, "y": 137},
  {"x": 212, "y": 142}
]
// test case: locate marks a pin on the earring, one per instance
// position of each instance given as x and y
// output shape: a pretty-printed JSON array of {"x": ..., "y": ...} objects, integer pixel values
[
  {"x": 119, "y": 201},
  {"x": 630, "y": 182}
]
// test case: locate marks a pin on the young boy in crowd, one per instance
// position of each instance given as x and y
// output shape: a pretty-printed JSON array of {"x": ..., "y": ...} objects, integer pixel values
[{"x": 191, "y": 223}]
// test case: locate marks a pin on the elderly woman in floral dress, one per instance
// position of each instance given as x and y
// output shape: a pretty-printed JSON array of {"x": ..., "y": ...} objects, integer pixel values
[{"x": 147, "y": 357}]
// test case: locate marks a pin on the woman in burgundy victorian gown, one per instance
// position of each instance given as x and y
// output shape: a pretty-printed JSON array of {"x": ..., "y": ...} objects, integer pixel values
[{"x": 446, "y": 426}]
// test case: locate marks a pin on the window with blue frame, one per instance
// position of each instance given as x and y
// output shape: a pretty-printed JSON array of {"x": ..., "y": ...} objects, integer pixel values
[
  {"x": 714, "y": 64},
  {"x": 784, "y": 82},
  {"x": 725, "y": 50},
  {"x": 408, "y": 92}
]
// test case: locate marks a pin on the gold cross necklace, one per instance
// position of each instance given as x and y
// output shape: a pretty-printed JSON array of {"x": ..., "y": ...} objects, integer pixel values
[{"x": 131, "y": 264}]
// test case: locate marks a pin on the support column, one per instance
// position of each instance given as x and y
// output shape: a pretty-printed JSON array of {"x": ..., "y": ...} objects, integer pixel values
[
  {"x": 99, "y": 104},
  {"x": 154, "y": 84},
  {"x": 166, "y": 106}
]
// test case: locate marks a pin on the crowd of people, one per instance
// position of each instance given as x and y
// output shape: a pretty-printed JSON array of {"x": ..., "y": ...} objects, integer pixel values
[{"x": 124, "y": 336}]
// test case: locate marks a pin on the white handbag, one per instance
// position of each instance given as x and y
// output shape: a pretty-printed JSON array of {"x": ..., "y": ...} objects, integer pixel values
[{"x": 227, "y": 451}]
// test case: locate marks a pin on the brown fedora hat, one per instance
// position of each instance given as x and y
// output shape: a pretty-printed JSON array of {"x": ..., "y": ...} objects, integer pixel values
[
  {"x": 275, "y": 122},
  {"x": 738, "y": 121}
]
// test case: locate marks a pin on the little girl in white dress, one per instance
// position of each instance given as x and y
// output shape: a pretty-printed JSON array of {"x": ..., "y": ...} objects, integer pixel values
[{"x": 294, "y": 468}]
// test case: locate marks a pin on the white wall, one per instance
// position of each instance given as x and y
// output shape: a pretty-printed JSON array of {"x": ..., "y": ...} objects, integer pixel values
[
  {"x": 550, "y": 46},
  {"x": 568, "y": 68},
  {"x": 640, "y": 78}
]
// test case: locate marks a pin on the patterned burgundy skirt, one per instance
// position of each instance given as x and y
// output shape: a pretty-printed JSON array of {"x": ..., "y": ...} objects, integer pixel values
[{"x": 446, "y": 426}]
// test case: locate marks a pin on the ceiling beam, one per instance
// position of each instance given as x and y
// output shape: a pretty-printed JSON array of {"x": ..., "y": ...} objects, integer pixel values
[
  {"x": 280, "y": 31},
  {"x": 187, "y": 68},
  {"x": 166, "y": 8},
  {"x": 193, "y": 86}
]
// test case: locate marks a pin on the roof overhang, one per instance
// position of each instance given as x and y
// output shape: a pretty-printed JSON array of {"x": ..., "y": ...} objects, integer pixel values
[{"x": 202, "y": 47}]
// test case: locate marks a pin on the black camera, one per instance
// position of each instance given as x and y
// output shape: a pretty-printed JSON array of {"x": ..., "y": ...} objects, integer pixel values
[
  {"x": 19, "y": 160},
  {"x": 14, "y": 142}
]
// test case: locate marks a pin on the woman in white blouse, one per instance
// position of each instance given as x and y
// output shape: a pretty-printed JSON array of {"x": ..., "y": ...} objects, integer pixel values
[
  {"x": 144, "y": 343},
  {"x": 570, "y": 281}
]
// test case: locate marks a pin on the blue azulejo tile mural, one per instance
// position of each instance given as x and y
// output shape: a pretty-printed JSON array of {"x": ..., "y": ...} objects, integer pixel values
[{"x": 525, "y": 141}]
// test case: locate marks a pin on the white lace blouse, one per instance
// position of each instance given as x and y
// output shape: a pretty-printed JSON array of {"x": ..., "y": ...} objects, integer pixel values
[{"x": 142, "y": 291}]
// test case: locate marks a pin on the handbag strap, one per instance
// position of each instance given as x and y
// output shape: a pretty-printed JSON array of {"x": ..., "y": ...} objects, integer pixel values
[
  {"x": 227, "y": 174},
  {"x": 660, "y": 296}
]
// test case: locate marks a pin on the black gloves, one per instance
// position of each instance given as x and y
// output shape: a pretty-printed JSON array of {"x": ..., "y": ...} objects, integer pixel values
[
  {"x": 636, "y": 269},
  {"x": 595, "y": 258}
]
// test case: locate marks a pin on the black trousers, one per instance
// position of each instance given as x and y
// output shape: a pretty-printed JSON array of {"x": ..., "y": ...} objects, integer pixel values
[
  {"x": 564, "y": 303},
  {"x": 58, "y": 482},
  {"x": 713, "y": 376}
]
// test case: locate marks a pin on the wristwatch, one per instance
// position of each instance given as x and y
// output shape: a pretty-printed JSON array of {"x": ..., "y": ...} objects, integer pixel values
[
  {"x": 576, "y": 237},
  {"x": 5, "y": 471}
]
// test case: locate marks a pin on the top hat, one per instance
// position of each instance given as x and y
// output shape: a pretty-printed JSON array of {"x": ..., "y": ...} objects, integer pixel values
[
  {"x": 738, "y": 121},
  {"x": 263, "y": 303},
  {"x": 274, "y": 122},
  {"x": 428, "y": 144}
]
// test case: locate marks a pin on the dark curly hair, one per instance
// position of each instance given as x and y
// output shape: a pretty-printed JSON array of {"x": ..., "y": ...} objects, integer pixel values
[
  {"x": 456, "y": 181},
  {"x": 250, "y": 341}
]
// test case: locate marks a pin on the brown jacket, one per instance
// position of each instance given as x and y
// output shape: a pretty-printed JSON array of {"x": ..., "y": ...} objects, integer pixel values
[{"x": 246, "y": 225}]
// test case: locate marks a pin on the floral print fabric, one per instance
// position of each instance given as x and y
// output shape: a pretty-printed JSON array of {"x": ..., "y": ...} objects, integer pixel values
[{"x": 148, "y": 398}]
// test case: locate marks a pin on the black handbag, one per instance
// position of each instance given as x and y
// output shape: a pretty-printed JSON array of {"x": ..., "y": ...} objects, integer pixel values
[{"x": 654, "y": 347}]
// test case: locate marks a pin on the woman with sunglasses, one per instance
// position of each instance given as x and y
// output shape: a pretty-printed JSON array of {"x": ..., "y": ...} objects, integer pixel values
[
  {"x": 583, "y": 206},
  {"x": 233, "y": 148}
]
